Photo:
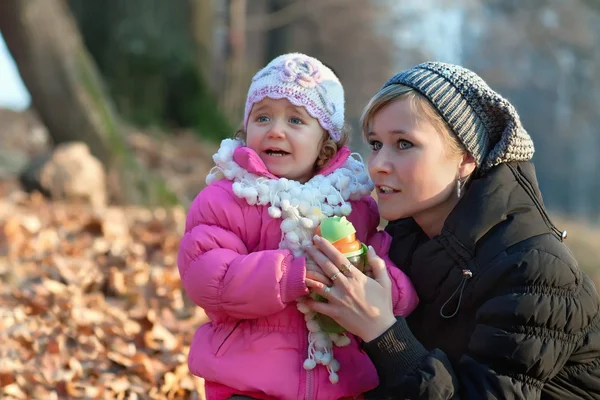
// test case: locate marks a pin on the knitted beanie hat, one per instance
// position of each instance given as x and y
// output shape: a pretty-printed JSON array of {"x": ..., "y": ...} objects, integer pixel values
[
  {"x": 486, "y": 123},
  {"x": 304, "y": 81}
]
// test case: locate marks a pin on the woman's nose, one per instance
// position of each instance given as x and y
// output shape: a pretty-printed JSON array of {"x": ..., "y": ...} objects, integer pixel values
[{"x": 379, "y": 163}]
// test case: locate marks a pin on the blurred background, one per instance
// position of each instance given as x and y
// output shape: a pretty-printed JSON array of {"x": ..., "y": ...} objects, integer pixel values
[{"x": 110, "y": 112}]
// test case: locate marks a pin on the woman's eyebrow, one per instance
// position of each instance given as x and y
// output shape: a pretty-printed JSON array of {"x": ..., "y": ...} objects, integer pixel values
[{"x": 394, "y": 132}]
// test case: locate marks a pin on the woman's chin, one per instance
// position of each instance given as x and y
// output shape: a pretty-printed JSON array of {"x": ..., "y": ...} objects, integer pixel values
[{"x": 391, "y": 214}]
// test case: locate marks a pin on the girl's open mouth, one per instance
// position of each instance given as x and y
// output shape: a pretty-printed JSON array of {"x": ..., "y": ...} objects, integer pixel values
[{"x": 276, "y": 153}]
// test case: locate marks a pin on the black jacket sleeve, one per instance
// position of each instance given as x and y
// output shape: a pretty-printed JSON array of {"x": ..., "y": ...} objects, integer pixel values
[{"x": 527, "y": 326}]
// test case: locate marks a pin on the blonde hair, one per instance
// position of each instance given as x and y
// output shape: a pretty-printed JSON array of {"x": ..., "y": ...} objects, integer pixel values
[
  {"x": 422, "y": 108},
  {"x": 329, "y": 147}
]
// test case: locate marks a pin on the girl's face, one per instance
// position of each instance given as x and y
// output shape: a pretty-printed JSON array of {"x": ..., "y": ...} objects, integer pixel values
[
  {"x": 285, "y": 137},
  {"x": 413, "y": 172}
]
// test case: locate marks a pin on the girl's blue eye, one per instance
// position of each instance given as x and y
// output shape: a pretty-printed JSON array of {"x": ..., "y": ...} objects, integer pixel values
[
  {"x": 262, "y": 118},
  {"x": 295, "y": 121},
  {"x": 404, "y": 144},
  {"x": 375, "y": 145}
]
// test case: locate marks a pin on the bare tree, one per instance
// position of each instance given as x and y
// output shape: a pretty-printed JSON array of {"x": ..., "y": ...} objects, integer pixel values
[{"x": 66, "y": 88}]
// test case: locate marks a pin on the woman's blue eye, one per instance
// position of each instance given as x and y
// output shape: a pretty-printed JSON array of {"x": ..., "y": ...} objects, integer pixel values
[
  {"x": 375, "y": 145},
  {"x": 262, "y": 118},
  {"x": 295, "y": 121},
  {"x": 404, "y": 144}
]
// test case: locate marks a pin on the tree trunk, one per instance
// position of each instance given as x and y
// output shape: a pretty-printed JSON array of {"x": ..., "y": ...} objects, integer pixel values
[
  {"x": 202, "y": 16},
  {"x": 66, "y": 89},
  {"x": 233, "y": 99},
  {"x": 63, "y": 82}
]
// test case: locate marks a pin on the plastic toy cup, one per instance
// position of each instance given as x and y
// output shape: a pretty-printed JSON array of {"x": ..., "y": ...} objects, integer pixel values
[{"x": 341, "y": 233}]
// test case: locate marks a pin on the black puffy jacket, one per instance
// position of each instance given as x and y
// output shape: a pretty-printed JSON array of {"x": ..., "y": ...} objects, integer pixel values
[{"x": 505, "y": 312}]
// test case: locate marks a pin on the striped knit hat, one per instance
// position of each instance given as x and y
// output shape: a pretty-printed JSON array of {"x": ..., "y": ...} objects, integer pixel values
[{"x": 486, "y": 123}]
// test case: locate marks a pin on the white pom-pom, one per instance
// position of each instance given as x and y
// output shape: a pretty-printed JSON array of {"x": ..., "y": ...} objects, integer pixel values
[
  {"x": 307, "y": 223},
  {"x": 333, "y": 199},
  {"x": 263, "y": 189},
  {"x": 237, "y": 189},
  {"x": 263, "y": 199},
  {"x": 304, "y": 207},
  {"x": 346, "y": 209},
  {"x": 274, "y": 212},
  {"x": 318, "y": 356},
  {"x": 342, "y": 341},
  {"x": 303, "y": 308},
  {"x": 228, "y": 174},
  {"x": 337, "y": 210},
  {"x": 309, "y": 364},
  {"x": 322, "y": 343},
  {"x": 292, "y": 237},
  {"x": 327, "y": 209},
  {"x": 295, "y": 202},
  {"x": 312, "y": 326},
  {"x": 309, "y": 315},
  {"x": 284, "y": 184},
  {"x": 276, "y": 201},
  {"x": 249, "y": 192},
  {"x": 334, "y": 365},
  {"x": 285, "y": 196},
  {"x": 288, "y": 225},
  {"x": 334, "y": 378},
  {"x": 295, "y": 192},
  {"x": 307, "y": 243},
  {"x": 344, "y": 181},
  {"x": 285, "y": 205},
  {"x": 333, "y": 336},
  {"x": 326, "y": 359},
  {"x": 308, "y": 193}
]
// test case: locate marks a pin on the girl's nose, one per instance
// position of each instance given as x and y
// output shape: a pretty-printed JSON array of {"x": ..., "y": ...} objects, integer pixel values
[{"x": 276, "y": 130}]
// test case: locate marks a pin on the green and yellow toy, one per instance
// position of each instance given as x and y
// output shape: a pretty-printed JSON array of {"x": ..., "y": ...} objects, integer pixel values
[{"x": 341, "y": 233}]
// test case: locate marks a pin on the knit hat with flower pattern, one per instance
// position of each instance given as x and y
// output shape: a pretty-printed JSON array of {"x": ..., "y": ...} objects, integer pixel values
[
  {"x": 486, "y": 123},
  {"x": 304, "y": 81}
]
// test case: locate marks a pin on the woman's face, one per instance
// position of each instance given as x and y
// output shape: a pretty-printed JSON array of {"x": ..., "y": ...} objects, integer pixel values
[{"x": 414, "y": 174}]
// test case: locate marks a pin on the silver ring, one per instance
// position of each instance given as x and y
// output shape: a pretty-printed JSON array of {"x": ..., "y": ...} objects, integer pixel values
[
  {"x": 345, "y": 268},
  {"x": 326, "y": 292},
  {"x": 335, "y": 276}
]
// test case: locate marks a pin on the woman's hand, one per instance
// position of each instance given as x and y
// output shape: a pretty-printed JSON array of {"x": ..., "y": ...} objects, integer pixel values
[{"x": 358, "y": 303}]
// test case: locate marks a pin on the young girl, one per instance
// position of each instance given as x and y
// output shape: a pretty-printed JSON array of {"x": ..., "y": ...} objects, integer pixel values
[{"x": 242, "y": 258}]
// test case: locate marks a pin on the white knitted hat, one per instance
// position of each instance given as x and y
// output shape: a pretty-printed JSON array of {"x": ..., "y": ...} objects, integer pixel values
[{"x": 303, "y": 81}]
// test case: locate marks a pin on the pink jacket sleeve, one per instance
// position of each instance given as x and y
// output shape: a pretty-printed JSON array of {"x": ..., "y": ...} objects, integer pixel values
[
  {"x": 365, "y": 218},
  {"x": 218, "y": 271}
]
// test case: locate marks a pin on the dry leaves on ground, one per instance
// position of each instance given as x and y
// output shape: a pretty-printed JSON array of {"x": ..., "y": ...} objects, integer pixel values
[{"x": 91, "y": 304}]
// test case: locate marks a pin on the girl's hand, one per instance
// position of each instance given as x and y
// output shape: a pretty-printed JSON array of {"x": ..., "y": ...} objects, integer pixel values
[
  {"x": 358, "y": 303},
  {"x": 314, "y": 273}
]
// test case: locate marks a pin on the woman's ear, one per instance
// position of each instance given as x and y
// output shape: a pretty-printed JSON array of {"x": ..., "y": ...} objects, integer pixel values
[{"x": 467, "y": 166}]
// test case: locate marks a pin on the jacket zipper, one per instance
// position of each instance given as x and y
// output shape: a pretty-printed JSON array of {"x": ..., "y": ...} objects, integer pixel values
[
  {"x": 309, "y": 375},
  {"x": 526, "y": 185}
]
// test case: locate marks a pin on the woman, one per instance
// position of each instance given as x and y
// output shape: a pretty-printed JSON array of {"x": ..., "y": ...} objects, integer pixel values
[{"x": 505, "y": 312}]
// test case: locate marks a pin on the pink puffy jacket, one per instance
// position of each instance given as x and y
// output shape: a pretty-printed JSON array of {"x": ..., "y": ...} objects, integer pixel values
[{"x": 231, "y": 266}]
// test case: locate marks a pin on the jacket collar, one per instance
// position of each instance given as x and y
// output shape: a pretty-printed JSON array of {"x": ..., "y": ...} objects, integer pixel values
[
  {"x": 500, "y": 209},
  {"x": 251, "y": 162}
]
